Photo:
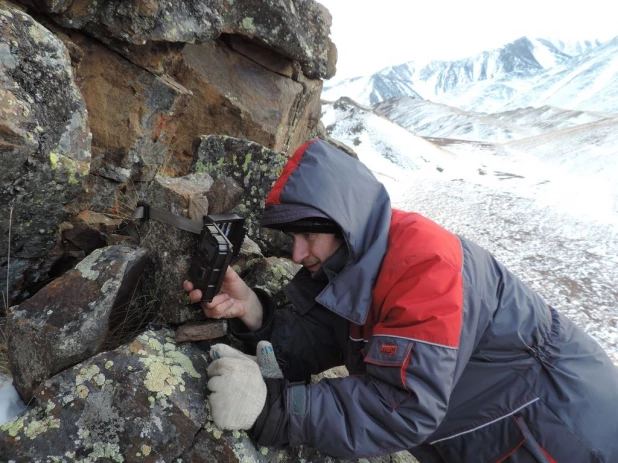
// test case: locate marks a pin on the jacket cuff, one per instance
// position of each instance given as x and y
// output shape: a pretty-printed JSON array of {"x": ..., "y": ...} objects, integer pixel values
[
  {"x": 271, "y": 426},
  {"x": 239, "y": 330},
  {"x": 298, "y": 406}
]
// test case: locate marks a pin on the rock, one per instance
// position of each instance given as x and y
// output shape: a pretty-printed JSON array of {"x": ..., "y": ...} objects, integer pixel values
[
  {"x": 133, "y": 113},
  {"x": 84, "y": 237},
  {"x": 71, "y": 318},
  {"x": 250, "y": 254},
  {"x": 172, "y": 248},
  {"x": 271, "y": 275},
  {"x": 243, "y": 99},
  {"x": 144, "y": 401},
  {"x": 250, "y": 165},
  {"x": 224, "y": 194},
  {"x": 101, "y": 222},
  {"x": 297, "y": 30},
  {"x": 45, "y": 145},
  {"x": 201, "y": 331}
]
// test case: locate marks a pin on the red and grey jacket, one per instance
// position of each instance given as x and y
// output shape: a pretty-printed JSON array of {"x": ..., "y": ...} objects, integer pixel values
[{"x": 450, "y": 355}]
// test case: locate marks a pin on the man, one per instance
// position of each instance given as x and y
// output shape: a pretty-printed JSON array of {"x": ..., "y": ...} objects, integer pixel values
[{"x": 450, "y": 355}]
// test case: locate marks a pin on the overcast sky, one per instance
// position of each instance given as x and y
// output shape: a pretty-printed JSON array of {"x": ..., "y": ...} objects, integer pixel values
[{"x": 371, "y": 35}]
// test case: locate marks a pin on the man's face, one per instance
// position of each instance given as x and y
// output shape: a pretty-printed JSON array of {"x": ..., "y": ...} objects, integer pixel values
[{"x": 312, "y": 249}]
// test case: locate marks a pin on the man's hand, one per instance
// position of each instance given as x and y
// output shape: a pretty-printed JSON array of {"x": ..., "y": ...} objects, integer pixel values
[
  {"x": 238, "y": 392},
  {"x": 236, "y": 300}
]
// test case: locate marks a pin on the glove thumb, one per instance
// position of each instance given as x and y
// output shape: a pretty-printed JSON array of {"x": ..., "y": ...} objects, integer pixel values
[
  {"x": 218, "y": 351},
  {"x": 267, "y": 361}
]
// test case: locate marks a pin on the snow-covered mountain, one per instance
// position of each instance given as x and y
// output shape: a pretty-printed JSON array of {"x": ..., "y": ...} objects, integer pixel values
[
  {"x": 578, "y": 75},
  {"x": 522, "y": 58},
  {"x": 586, "y": 82},
  {"x": 573, "y": 47}
]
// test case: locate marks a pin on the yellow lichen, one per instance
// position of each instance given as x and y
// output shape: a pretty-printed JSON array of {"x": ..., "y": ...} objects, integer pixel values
[
  {"x": 99, "y": 380},
  {"x": 86, "y": 374},
  {"x": 168, "y": 346},
  {"x": 247, "y": 24},
  {"x": 53, "y": 160},
  {"x": 156, "y": 376},
  {"x": 146, "y": 450},
  {"x": 37, "y": 427},
  {"x": 108, "y": 364},
  {"x": 185, "y": 362},
  {"x": 82, "y": 391},
  {"x": 14, "y": 427},
  {"x": 155, "y": 345}
]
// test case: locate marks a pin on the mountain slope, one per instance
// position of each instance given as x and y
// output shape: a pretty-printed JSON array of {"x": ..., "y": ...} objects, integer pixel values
[
  {"x": 367, "y": 133},
  {"x": 523, "y": 57},
  {"x": 430, "y": 119},
  {"x": 587, "y": 82}
]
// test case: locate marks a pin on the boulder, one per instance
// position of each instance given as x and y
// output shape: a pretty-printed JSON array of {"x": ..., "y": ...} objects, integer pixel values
[
  {"x": 171, "y": 247},
  {"x": 297, "y": 29},
  {"x": 254, "y": 168},
  {"x": 44, "y": 148},
  {"x": 145, "y": 401},
  {"x": 75, "y": 316}
]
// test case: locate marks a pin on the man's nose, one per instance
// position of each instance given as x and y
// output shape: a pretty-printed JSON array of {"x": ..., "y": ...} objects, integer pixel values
[{"x": 300, "y": 251}]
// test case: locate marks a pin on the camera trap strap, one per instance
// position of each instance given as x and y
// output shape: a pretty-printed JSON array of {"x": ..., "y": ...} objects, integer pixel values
[
  {"x": 145, "y": 212},
  {"x": 220, "y": 239}
]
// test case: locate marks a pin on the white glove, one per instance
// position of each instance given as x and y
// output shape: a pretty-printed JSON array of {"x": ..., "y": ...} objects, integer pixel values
[
  {"x": 265, "y": 358},
  {"x": 238, "y": 392}
]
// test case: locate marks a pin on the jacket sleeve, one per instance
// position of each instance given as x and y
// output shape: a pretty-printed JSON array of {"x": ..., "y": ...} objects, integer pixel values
[
  {"x": 411, "y": 362},
  {"x": 304, "y": 343}
]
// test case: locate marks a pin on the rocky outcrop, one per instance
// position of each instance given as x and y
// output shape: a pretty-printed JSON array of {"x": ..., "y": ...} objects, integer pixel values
[
  {"x": 297, "y": 29},
  {"x": 144, "y": 79},
  {"x": 44, "y": 148},
  {"x": 144, "y": 401},
  {"x": 74, "y": 317},
  {"x": 193, "y": 107},
  {"x": 251, "y": 94}
]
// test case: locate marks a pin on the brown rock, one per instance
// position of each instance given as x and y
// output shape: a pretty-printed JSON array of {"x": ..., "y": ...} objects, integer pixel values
[
  {"x": 201, "y": 331},
  {"x": 133, "y": 113},
  {"x": 224, "y": 194},
  {"x": 236, "y": 96}
]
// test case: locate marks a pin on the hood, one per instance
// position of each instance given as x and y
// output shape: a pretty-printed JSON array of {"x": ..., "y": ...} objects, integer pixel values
[{"x": 324, "y": 178}]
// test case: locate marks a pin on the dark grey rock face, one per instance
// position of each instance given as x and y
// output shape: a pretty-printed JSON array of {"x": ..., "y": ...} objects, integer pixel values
[
  {"x": 44, "y": 147},
  {"x": 70, "y": 319},
  {"x": 298, "y": 29},
  {"x": 144, "y": 401},
  {"x": 254, "y": 168}
]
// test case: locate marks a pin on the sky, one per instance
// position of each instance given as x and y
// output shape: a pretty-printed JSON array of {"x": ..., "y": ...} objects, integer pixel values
[{"x": 369, "y": 38}]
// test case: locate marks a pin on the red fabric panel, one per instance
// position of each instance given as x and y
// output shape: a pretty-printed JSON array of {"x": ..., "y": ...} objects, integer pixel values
[
  {"x": 290, "y": 166},
  {"x": 511, "y": 452},
  {"x": 419, "y": 292},
  {"x": 551, "y": 460},
  {"x": 404, "y": 368}
]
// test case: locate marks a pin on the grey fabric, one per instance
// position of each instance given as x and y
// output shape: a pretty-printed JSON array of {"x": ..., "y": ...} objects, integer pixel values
[{"x": 288, "y": 212}]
